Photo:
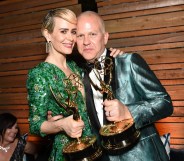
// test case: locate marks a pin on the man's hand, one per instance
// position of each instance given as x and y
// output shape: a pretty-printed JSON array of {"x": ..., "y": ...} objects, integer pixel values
[
  {"x": 115, "y": 52},
  {"x": 53, "y": 118},
  {"x": 68, "y": 124},
  {"x": 116, "y": 111}
]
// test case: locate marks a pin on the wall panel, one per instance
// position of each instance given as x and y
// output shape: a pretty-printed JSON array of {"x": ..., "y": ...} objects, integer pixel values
[
  {"x": 21, "y": 48},
  {"x": 155, "y": 29}
]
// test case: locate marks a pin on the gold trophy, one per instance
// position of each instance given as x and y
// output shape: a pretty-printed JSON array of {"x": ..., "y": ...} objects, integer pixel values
[
  {"x": 116, "y": 136},
  {"x": 84, "y": 148}
]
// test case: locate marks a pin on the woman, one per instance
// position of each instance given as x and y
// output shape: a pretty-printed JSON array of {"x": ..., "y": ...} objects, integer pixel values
[
  {"x": 59, "y": 30},
  {"x": 12, "y": 145}
]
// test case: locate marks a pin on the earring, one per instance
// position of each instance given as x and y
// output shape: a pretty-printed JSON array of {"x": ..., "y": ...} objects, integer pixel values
[{"x": 47, "y": 46}]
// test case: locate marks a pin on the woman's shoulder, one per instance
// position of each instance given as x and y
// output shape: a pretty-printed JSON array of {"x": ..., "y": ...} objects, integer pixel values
[
  {"x": 41, "y": 67},
  {"x": 42, "y": 70},
  {"x": 40, "y": 74}
]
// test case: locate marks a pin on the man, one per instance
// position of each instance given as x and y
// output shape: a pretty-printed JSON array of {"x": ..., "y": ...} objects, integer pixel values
[{"x": 139, "y": 94}]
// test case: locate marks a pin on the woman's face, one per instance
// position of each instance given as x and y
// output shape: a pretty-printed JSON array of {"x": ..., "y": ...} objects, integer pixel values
[
  {"x": 11, "y": 133},
  {"x": 63, "y": 37}
]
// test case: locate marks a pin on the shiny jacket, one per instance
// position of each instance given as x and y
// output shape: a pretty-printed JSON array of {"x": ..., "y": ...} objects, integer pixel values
[{"x": 138, "y": 88}]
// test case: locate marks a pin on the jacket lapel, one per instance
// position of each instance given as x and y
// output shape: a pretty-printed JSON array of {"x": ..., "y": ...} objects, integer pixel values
[{"x": 90, "y": 102}]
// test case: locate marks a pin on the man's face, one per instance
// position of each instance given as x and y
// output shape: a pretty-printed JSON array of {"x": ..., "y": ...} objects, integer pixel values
[{"x": 91, "y": 40}]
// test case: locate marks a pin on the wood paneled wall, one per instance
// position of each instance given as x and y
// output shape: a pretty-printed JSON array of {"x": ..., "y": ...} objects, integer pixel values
[
  {"x": 21, "y": 48},
  {"x": 155, "y": 29}
]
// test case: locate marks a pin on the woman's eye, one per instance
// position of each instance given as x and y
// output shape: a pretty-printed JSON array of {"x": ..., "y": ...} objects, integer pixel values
[
  {"x": 64, "y": 32},
  {"x": 74, "y": 32}
]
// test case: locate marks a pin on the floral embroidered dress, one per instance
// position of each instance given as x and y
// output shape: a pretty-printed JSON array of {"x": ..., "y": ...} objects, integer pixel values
[{"x": 41, "y": 100}]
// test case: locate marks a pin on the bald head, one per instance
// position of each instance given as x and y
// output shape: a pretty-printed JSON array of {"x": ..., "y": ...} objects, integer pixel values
[
  {"x": 94, "y": 16},
  {"x": 91, "y": 35}
]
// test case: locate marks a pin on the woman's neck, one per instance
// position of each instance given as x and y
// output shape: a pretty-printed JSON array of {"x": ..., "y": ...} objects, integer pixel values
[
  {"x": 5, "y": 143},
  {"x": 58, "y": 60},
  {"x": 5, "y": 146}
]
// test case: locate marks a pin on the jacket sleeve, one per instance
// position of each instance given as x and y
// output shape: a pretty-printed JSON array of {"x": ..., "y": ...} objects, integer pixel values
[{"x": 154, "y": 102}]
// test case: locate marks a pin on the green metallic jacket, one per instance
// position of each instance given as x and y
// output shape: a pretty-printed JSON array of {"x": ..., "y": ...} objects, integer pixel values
[{"x": 138, "y": 88}]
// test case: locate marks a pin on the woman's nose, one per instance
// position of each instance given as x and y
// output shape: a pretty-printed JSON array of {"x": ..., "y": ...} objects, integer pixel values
[
  {"x": 71, "y": 37},
  {"x": 15, "y": 130}
]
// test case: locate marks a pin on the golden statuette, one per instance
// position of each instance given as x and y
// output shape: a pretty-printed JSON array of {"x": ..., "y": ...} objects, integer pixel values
[
  {"x": 116, "y": 136},
  {"x": 85, "y": 148}
]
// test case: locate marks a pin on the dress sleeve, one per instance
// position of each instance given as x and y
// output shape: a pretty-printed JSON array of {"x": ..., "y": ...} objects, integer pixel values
[
  {"x": 38, "y": 98},
  {"x": 155, "y": 103}
]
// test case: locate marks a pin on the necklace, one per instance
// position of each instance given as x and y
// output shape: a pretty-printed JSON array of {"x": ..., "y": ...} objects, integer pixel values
[{"x": 5, "y": 149}]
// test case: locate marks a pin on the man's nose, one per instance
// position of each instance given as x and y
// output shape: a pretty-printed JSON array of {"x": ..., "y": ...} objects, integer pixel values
[{"x": 86, "y": 40}]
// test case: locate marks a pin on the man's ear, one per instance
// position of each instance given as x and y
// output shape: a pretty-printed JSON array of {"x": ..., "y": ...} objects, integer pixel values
[{"x": 106, "y": 37}]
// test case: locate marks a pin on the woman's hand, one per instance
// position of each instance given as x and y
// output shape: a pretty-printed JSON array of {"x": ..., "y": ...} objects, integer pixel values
[
  {"x": 71, "y": 127},
  {"x": 115, "y": 52}
]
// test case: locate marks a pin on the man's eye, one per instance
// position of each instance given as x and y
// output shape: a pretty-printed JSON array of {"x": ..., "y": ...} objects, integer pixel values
[
  {"x": 93, "y": 34},
  {"x": 79, "y": 36}
]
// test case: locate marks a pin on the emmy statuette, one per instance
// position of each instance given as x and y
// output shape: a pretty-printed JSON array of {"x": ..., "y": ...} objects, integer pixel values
[
  {"x": 84, "y": 148},
  {"x": 116, "y": 136}
]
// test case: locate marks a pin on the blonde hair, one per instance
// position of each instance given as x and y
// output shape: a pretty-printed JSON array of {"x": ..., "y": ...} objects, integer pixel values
[{"x": 64, "y": 13}]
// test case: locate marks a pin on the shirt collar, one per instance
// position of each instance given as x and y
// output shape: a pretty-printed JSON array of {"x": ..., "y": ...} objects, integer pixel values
[{"x": 103, "y": 55}]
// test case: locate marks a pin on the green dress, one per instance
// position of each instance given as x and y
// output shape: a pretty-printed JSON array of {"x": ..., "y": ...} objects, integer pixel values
[{"x": 41, "y": 100}]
